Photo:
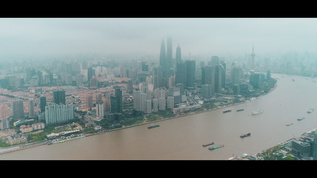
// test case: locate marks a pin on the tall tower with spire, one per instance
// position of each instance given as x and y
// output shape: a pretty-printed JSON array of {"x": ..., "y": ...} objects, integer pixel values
[
  {"x": 252, "y": 55},
  {"x": 163, "y": 58}
]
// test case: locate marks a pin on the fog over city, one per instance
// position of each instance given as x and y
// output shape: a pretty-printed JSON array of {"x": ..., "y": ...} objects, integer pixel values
[{"x": 143, "y": 36}]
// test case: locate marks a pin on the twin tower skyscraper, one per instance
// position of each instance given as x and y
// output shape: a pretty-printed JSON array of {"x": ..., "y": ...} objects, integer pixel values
[{"x": 166, "y": 57}]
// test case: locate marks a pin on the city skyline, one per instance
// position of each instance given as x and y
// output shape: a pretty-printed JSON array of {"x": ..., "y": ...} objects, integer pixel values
[{"x": 140, "y": 36}]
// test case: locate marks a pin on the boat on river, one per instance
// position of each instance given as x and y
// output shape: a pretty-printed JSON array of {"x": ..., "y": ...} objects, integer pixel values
[
  {"x": 245, "y": 135},
  {"x": 310, "y": 110},
  {"x": 215, "y": 147},
  {"x": 226, "y": 111},
  {"x": 299, "y": 119},
  {"x": 257, "y": 112},
  {"x": 153, "y": 126},
  {"x": 240, "y": 110},
  {"x": 289, "y": 124},
  {"x": 208, "y": 144}
]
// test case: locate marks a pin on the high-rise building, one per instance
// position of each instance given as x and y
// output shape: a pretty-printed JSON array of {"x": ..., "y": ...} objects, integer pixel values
[
  {"x": 18, "y": 109},
  {"x": 89, "y": 101},
  {"x": 169, "y": 54},
  {"x": 208, "y": 76},
  {"x": 136, "y": 100},
  {"x": 206, "y": 91},
  {"x": 163, "y": 59},
  {"x": 236, "y": 73},
  {"x": 180, "y": 76},
  {"x": 31, "y": 108},
  {"x": 4, "y": 116},
  {"x": 178, "y": 54},
  {"x": 162, "y": 104},
  {"x": 170, "y": 102},
  {"x": 143, "y": 102},
  {"x": 59, "y": 97},
  {"x": 218, "y": 78},
  {"x": 155, "y": 105},
  {"x": 190, "y": 73},
  {"x": 99, "y": 109},
  {"x": 255, "y": 80},
  {"x": 252, "y": 56},
  {"x": 116, "y": 101},
  {"x": 58, "y": 113},
  {"x": 91, "y": 72},
  {"x": 42, "y": 103},
  {"x": 148, "y": 106}
]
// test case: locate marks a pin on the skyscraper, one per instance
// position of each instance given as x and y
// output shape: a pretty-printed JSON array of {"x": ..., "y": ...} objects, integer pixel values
[
  {"x": 31, "y": 107},
  {"x": 252, "y": 60},
  {"x": 190, "y": 73},
  {"x": 91, "y": 72},
  {"x": 163, "y": 59},
  {"x": 59, "y": 96},
  {"x": 99, "y": 110},
  {"x": 18, "y": 110},
  {"x": 42, "y": 103},
  {"x": 180, "y": 76},
  {"x": 116, "y": 101},
  {"x": 178, "y": 54},
  {"x": 169, "y": 54}
]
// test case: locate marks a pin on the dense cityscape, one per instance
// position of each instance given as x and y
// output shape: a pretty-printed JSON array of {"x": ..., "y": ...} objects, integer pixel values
[{"x": 55, "y": 100}]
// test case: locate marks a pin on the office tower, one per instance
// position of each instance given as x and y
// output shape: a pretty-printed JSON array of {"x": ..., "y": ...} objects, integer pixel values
[
  {"x": 190, "y": 73},
  {"x": 130, "y": 87},
  {"x": 136, "y": 100},
  {"x": 180, "y": 76},
  {"x": 91, "y": 72},
  {"x": 169, "y": 54},
  {"x": 206, "y": 91},
  {"x": 99, "y": 109},
  {"x": 31, "y": 107},
  {"x": 116, "y": 101},
  {"x": 170, "y": 102},
  {"x": 252, "y": 58},
  {"x": 178, "y": 54},
  {"x": 268, "y": 75},
  {"x": 59, "y": 97},
  {"x": 208, "y": 76},
  {"x": 148, "y": 106},
  {"x": 42, "y": 103},
  {"x": 223, "y": 74},
  {"x": 218, "y": 78},
  {"x": 158, "y": 80},
  {"x": 255, "y": 80},
  {"x": 155, "y": 105},
  {"x": 58, "y": 113},
  {"x": 236, "y": 73},
  {"x": 89, "y": 101},
  {"x": 163, "y": 59},
  {"x": 18, "y": 110}
]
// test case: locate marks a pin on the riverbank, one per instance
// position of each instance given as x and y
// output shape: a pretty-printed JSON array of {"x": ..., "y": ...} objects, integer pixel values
[{"x": 159, "y": 119}]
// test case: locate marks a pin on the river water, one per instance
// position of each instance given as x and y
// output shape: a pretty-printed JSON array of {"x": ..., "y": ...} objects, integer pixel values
[{"x": 182, "y": 138}]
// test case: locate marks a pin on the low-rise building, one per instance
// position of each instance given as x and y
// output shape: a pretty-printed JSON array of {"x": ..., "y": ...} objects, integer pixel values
[{"x": 26, "y": 128}]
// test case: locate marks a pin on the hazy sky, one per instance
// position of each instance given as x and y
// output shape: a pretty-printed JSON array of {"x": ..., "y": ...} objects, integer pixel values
[{"x": 199, "y": 36}]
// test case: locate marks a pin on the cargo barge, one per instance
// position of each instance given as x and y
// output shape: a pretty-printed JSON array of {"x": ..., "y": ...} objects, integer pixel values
[
  {"x": 215, "y": 147},
  {"x": 226, "y": 111},
  {"x": 208, "y": 144},
  {"x": 153, "y": 126}
]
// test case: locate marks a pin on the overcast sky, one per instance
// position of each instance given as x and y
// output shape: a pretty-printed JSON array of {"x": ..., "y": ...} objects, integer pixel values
[{"x": 199, "y": 36}]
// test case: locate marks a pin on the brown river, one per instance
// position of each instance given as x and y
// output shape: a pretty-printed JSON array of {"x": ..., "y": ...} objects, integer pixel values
[{"x": 182, "y": 138}]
